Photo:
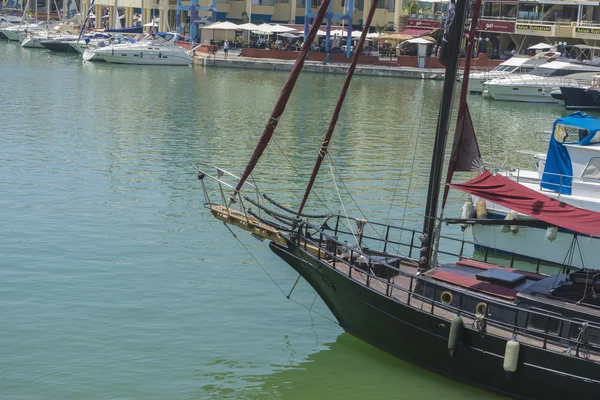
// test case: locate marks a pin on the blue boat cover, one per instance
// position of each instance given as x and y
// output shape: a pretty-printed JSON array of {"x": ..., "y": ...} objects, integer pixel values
[
  {"x": 576, "y": 128},
  {"x": 133, "y": 29}
]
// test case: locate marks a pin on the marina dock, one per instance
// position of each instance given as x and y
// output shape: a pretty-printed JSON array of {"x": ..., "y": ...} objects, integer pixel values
[{"x": 236, "y": 61}]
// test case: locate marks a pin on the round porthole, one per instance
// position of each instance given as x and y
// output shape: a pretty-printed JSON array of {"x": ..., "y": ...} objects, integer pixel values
[
  {"x": 481, "y": 308},
  {"x": 446, "y": 297}
]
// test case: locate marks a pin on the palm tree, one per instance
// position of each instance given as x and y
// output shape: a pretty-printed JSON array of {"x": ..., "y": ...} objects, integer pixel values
[{"x": 382, "y": 28}]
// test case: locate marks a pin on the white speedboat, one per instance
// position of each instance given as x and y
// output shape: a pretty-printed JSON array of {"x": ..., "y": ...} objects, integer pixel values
[
  {"x": 158, "y": 49},
  {"x": 570, "y": 171},
  {"x": 517, "y": 65},
  {"x": 537, "y": 86}
]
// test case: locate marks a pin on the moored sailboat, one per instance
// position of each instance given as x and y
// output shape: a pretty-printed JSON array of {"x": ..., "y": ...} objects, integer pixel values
[{"x": 513, "y": 332}]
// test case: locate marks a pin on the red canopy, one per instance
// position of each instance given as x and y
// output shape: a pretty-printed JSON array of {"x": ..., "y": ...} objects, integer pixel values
[{"x": 505, "y": 192}]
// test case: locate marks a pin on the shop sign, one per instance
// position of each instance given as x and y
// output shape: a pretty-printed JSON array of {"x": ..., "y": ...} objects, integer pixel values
[
  {"x": 424, "y": 23},
  {"x": 534, "y": 29},
  {"x": 496, "y": 26},
  {"x": 586, "y": 32}
]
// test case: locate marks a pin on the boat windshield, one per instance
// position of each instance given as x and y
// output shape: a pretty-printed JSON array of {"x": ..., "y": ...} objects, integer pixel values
[
  {"x": 505, "y": 68},
  {"x": 543, "y": 71}
]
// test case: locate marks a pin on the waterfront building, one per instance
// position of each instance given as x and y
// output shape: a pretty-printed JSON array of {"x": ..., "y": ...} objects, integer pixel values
[
  {"x": 508, "y": 25},
  {"x": 505, "y": 25}
]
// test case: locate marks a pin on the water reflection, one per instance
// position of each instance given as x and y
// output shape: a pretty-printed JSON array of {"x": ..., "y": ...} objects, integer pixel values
[{"x": 347, "y": 369}]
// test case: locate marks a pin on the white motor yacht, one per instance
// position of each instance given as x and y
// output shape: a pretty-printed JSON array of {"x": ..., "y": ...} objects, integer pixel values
[
  {"x": 517, "y": 65},
  {"x": 154, "y": 49},
  {"x": 570, "y": 172},
  {"x": 537, "y": 86}
]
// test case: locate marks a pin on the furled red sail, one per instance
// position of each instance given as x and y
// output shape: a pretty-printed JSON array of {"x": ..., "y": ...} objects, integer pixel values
[
  {"x": 465, "y": 150},
  {"x": 338, "y": 106},
  {"x": 284, "y": 96},
  {"x": 507, "y": 193}
]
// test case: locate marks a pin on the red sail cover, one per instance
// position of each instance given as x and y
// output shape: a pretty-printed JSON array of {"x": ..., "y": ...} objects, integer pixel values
[{"x": 505, "y": 192}]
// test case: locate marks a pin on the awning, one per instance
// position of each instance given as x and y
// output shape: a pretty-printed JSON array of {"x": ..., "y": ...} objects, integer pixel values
[
  {"x": 505, "y": 192},
  {"x": 415, "y": 32}
]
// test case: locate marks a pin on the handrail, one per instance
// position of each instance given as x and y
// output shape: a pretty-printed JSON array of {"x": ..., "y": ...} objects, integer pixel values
[{"x": 303, "y": 240}]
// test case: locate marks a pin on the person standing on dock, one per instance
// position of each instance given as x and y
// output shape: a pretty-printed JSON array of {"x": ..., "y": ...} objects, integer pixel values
[{"x": 226, "y": 48}]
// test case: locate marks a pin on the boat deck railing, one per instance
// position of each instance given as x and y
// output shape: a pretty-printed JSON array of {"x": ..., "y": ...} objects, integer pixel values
[
  {"x": 565, "y": 183},
  {"x": 553, "y": 332},
  {"x": 555, "y": 81},
  {"x": 403, "y": 241}
]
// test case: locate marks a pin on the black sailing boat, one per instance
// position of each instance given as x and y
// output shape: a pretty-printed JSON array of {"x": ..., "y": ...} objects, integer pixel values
[{"x": 512, "y": 332}]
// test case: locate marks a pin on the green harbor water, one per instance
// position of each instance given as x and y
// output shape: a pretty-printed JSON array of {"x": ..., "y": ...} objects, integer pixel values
[{"x": 116, "y": 282}]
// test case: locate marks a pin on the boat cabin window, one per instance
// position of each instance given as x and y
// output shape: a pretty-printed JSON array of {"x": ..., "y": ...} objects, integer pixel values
[
  {"x": 545, "y": 71},
  {"x": 562, "y": 132},
  {"x": 592, "y": 171}
]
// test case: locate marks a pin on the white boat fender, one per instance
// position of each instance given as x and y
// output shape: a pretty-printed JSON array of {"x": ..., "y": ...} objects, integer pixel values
[
  {"x": 551, "y": 233},
  {"x": 467, "y": 211},
  {"x": 506, "y": 228},
  {"x": 481, "y": 209},
  {"x": 511, "y": 355},
  {"x": 514, "y": 228},
  {"x": 455, "y": 336}
]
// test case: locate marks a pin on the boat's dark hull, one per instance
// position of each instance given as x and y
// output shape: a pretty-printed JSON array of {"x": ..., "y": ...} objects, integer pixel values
[
  {"x": 421, "y": 338},
  {"x": 61, "y": 47},
  {"x": 577, "y": 98}
]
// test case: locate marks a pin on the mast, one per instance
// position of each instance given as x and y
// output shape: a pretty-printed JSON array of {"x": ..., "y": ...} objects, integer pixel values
[
  {"x": 338, "y": 106},
  {"x": 453, "y": 32},
  {"x": 465, "y": 149}
]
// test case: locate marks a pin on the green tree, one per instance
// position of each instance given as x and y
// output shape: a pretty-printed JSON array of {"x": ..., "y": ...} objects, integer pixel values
[{"x": 411, "y": 6}]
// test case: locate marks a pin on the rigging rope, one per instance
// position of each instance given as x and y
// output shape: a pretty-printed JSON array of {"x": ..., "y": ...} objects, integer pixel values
[
  {"x": 271, "y": 212},
  {"x": 300, "y": 176},
  {"x": 284, "y": 96},
  {"x": 338, "y": 104},
  {"x": 310, "y": 310},
  {"x": 342, "y": 204}
]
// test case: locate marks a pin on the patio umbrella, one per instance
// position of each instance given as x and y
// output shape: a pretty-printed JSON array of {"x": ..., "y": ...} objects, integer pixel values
[
  {"x": 248, "y": 26},
  {"x": 280, "y": 28},
  {"x": 223, "y": 26},
  {"x": 265, "y": 28},
  {"x": 287, "y": 35},
  {"x": 419, "y": 41}
]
